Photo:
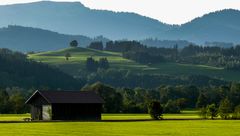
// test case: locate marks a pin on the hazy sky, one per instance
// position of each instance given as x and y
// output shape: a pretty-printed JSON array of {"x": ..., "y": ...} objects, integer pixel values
[{"x": 168, "y": 11}]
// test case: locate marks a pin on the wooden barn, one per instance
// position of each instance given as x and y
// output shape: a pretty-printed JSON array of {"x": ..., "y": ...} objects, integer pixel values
[{"x": 65, "y": 105}]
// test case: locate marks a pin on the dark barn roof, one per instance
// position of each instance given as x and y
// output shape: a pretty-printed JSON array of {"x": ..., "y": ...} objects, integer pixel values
[{"x": 77, "y": 97}]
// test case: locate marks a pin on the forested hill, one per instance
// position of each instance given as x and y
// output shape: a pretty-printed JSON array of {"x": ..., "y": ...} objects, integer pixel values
[
  {"x": 32, "y": 39},
  {"x": 221, "y": 26},
  {"x": 17, "y": 70}
]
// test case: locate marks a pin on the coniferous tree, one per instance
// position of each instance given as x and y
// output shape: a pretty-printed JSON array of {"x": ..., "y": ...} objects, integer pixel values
[
  {"x": 212, "y": 111},
  {"x": 201, "y": 101},
  {"x": 236, "y": 113},
  {"x": 225, "y": 108}
]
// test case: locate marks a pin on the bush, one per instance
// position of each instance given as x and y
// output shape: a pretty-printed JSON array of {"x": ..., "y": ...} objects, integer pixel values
[{"x": 155, "y": 110}]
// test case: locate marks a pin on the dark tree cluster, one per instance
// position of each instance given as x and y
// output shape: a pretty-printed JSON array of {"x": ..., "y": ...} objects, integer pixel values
[
  {"x": 228, "y": 58},
  {"x": 140, "y": 53},
  {"x": 143, "y": 57},
  {"x": 222, "y": 101},
  {"x": 212, "y": 101},
  {"x": 112, "y": 98},
  {"x": 96, "y": 46},
  {"x": 93, "y": 65},
  {"x": 12, "y": 100}
]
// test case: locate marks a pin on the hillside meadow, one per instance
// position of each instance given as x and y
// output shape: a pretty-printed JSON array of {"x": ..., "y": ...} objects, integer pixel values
[{"x": 79, "y": 56}]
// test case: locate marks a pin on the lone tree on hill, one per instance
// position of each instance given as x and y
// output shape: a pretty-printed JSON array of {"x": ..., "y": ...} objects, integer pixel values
[
  {"x": 73, "y": 43},
  {"x": 67, "y": 56},
  {"x": 155, "y": 110}
]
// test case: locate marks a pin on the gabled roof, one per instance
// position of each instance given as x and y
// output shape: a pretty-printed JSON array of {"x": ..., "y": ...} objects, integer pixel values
[{"x": 68, "y": 97}]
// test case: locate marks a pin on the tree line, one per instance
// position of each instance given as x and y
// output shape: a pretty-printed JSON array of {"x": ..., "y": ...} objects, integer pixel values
[
  {"x": 173, "y": 99},
  {"x": 130, "y": 79},
  {"x": 227, "y": 58},
  {"x": 211, "y": 101}
]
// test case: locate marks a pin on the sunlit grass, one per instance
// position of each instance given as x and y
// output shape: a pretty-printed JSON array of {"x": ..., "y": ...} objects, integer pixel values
[{"x": 123, "y": 128}]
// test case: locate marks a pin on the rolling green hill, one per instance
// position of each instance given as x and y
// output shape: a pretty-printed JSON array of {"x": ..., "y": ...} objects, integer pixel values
[{"x": 79, "y": 55}]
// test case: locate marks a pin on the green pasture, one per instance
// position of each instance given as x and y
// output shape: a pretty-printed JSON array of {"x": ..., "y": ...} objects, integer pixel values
[
  {"x": 79, "y": 55},
  {"x": 107, "y": 117},
  {"x": 124, "y": 128},
  {"x": 13, "y": 117}
]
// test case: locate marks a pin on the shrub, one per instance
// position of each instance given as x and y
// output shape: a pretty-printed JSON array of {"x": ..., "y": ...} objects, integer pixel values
[{"x": 155, "y": 110}]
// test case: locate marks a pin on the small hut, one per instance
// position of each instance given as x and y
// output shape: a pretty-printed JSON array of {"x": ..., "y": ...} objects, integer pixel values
[{"x": 65, "y": 105}]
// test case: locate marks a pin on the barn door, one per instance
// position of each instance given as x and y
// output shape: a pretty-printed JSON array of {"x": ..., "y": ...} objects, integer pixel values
[{"x": 47, "y": 112}]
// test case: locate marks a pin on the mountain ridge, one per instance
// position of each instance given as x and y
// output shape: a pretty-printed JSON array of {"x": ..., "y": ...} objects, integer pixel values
[{"x": 75, "y": 19}]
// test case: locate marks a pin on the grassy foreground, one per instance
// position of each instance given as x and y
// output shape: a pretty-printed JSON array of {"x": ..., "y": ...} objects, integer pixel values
[
  {"x": 153, "y": 128},
  {"x": 79, "y": 56},
  {"x": 123, "y": 128}
]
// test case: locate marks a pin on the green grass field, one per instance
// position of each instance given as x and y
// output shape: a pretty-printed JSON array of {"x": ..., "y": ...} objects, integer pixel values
[
  {"x": 79, "y": 55},
  {"x": 124, "y": 128},
  {"x": 106, "y": 117}
]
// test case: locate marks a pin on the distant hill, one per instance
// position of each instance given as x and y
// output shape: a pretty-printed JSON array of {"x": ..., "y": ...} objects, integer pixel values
[
  {"x": 32, "y": 39},
  {"x": 220, "y": 26},
  {"x": 75, "y": 18}
]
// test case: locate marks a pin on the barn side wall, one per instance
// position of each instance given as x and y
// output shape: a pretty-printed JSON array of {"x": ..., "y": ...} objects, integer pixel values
[
  {"x": 36, "y": 106},
  {"x": 76, "y": 111}
]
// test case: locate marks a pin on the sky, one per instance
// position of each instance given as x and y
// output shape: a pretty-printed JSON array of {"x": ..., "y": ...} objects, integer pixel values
[{"x": 167, "y": 11}]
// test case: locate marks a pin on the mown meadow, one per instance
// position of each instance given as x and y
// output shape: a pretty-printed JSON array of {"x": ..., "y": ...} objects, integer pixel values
[{"x": 124, "y": 125}]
